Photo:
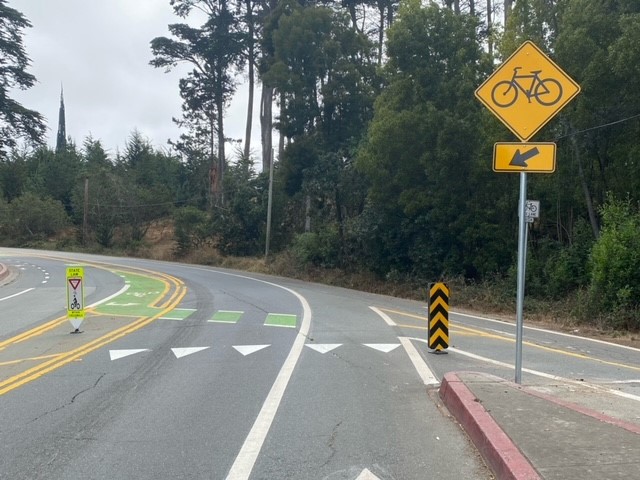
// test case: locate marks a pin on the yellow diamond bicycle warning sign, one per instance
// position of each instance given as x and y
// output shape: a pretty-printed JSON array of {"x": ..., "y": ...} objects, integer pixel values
[{"x": 527, "y": 90}]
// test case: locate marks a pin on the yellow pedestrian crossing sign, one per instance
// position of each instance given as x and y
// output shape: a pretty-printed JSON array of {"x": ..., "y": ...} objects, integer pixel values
[{"x": 527, "y": 90}]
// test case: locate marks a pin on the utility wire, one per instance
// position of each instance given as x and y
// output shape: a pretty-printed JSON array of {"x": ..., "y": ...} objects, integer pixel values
[{"x": 599, "y": 126}]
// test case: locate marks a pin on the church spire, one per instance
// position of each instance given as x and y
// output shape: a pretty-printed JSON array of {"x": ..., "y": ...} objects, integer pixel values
[{"x": 61, "y": 142}]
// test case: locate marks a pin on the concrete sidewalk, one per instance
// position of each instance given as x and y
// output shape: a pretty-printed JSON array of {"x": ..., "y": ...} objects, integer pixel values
[{"x": 549, "y": 431}]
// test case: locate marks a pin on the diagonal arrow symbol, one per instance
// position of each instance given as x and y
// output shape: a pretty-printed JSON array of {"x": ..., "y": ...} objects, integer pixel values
[{"x": 520, "y": 159}]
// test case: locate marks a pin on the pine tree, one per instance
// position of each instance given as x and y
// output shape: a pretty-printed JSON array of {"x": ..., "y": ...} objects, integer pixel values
[{"x": 16, "y": 121}]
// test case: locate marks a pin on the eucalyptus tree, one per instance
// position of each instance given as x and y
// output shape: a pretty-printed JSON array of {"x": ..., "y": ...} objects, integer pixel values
[
  {"x": 16, "y": 121},
  {"x": 598, "y": 44},
  {"x": 214, "y": 50},
  {"x": 325, "y": 75},
  {"x": 426, "y": 183}
]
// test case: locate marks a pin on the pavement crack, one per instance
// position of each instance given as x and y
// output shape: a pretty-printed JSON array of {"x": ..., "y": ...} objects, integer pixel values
[
  {"x": 70, "y": 402},
  {"x": 331, "y": 443}
]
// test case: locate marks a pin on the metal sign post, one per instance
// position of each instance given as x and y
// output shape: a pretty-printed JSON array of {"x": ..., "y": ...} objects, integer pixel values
[
  {"x": 522, "y": 265},
  {"x": 525, "y": 92}
]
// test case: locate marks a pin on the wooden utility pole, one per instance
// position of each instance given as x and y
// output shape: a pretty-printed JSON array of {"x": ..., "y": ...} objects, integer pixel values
[{"x": 85, "y": 215}]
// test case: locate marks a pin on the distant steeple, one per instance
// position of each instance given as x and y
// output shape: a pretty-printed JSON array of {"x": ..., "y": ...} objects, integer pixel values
[{"x": 61, "y": 142}]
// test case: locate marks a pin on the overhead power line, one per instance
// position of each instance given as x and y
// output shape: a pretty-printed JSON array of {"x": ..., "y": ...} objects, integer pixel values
[{"x": 598, "y": 126}]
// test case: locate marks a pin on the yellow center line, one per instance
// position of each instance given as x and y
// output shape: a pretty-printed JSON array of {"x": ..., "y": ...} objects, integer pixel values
[
  {"x": 39, "y": 330},
  {"x": 505, "y": 338},
  {"x": 20, "y": 360},
  {"x": 65, "y": 358}
]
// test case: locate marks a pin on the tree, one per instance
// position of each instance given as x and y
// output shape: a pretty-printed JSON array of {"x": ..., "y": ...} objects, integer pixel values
[
  {"x": 426, "y": 184},
  {"x": 324, "y": 72},
  {"x": 213, "y": 50},
  {"x": 16, "y": 121}
]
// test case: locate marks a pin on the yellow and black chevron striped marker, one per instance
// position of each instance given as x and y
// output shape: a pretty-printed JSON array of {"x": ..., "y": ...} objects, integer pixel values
[{"x": 438, "y": 316}]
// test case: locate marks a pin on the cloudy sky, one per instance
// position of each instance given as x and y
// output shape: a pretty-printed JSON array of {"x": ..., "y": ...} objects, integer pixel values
[{"x": 99, "y": 51}]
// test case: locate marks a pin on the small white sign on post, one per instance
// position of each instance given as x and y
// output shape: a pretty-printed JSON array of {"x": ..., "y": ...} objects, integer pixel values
[{"x": 532, "y": 210}]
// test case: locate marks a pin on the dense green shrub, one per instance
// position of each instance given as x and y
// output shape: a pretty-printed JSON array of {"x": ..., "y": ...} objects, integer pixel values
[
  {"x": 320, "y": 249},
  {"x": 615, "y": 264},
  {"x": 29, "y": 217},
  {"x": 192, "y": 229}
]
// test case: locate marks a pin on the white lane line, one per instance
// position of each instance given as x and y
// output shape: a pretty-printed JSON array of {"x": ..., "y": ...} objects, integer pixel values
[
  {"x": 246, "y": 459},
  {"x": 119, "y": 292},
  {"x": 537, "y": 373},
  {"x": 16, "y": 294},
  {"x": 384, "y": 316},
  {"x": 425, "y": 373},
  {"x": 543, "y": 330}
]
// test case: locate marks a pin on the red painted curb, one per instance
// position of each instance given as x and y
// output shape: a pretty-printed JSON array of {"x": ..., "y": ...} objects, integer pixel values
[{"x": 501, "y": 454}]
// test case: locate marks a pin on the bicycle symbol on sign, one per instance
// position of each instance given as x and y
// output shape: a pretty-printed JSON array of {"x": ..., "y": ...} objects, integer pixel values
[
  {"x": 532, "y": 209},
  {"x": 75, "y": 305},
  {"x": 546, "y": 91}
]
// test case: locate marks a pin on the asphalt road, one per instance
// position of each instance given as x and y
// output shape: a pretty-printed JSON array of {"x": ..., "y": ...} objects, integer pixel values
[{"x": 186, "y": 372}]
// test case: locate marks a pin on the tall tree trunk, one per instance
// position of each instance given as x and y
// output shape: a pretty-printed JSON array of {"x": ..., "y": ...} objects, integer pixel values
[
  {"x": 221, "y": 152},
  {"x": 251, "y": 55},
  {"x": 213, "y": 166},
  {"x": 381, "y": 7},
  {"x": 266, "y": 126},
  {"x": 593, "y": 220},
  {"x": 490, "y": 27},
  {"x": 472, "y": 7},
  {"x": 508, "y": 6},
  {"x": 456, "y": 7}
]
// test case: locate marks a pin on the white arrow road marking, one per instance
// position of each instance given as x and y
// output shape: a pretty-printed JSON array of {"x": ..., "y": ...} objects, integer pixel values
[
  {"x": 367, "y": 475},
  {"x": 323, "y": 347},
  {"x": 382, "y": 347},
  {"x": 116, "y": 354},
  {"x": 420, "y": 365},
  {"x": 183, "y": 352},
  {"x": 249, "y": 349}
]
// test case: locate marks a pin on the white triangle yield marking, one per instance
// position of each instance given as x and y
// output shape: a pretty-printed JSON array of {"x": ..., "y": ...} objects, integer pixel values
[
  {"x": 116, "y": 354},
  {"x": 249, "y": 349},
  {"x": 183, "y": 352},
  {"x": 367, "y": 475},
  {"x": 323, "y": 347},
  {"x": 382, "y": 347}
]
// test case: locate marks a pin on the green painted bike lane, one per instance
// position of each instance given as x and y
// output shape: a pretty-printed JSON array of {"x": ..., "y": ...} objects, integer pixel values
[{"x": 138, "y": 300}]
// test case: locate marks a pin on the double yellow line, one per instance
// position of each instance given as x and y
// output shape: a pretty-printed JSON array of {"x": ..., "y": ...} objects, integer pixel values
[
  {"x": 59, "y": 360},
  {"x": 504, "y": 338}
]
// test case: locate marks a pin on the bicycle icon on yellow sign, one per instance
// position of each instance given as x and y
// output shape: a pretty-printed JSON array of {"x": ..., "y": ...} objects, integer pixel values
[{"x": 546, "y": 91}]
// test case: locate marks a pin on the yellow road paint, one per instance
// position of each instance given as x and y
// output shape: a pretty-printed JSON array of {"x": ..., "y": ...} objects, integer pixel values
[
  {"x": 39, "y": 330},
  {"x": 460, "y": 330},
  {"x": 68, "y": 357},
  {"x": 32, "y": 359},
  {"x": 173, "y": 287}
]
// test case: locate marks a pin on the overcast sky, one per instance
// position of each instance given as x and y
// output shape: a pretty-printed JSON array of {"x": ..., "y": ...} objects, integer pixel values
[{"x": 99, "y": 50}]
